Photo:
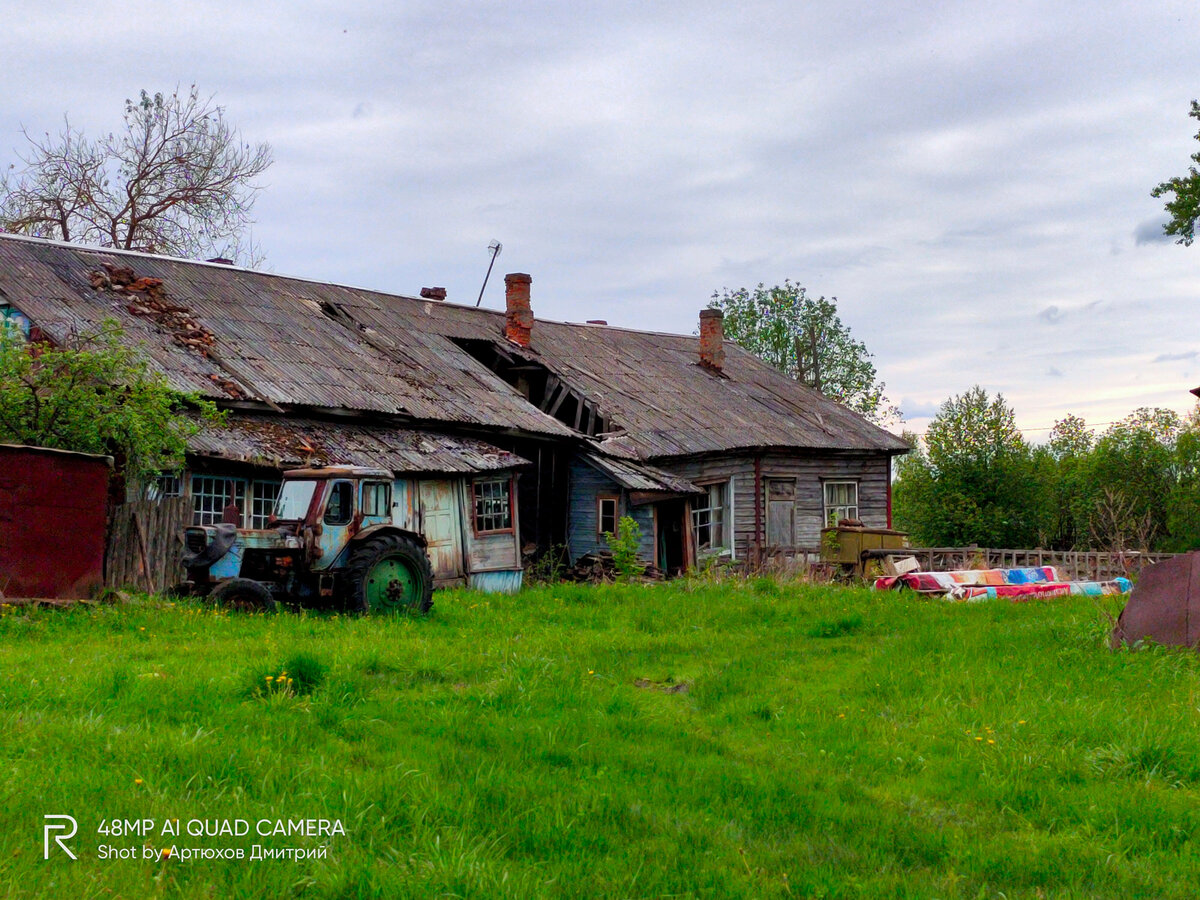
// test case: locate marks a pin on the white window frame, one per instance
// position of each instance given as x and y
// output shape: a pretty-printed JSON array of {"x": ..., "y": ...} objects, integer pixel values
[
  {"x": 263, "y": 494},
  {"x": 843, "y": 510},
  {"x": 725, "y": 543},
  {"x": 208, "y": 506}
]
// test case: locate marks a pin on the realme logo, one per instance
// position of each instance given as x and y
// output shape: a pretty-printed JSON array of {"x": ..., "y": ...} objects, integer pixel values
[{"x": 58, "y": 823}]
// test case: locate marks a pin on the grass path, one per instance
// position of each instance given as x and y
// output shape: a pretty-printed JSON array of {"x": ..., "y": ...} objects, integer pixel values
[{"x": 742, "y": 739}]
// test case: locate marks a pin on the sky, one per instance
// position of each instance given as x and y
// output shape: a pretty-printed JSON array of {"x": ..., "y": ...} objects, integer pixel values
[{"x": 970, "y": 180}]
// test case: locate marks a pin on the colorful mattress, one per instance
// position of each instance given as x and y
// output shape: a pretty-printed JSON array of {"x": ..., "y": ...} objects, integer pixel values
[
  {"x": 943, "y": 582},
  {"x": 1020, "y": 592},
  {"x": 972, "y": 585}
]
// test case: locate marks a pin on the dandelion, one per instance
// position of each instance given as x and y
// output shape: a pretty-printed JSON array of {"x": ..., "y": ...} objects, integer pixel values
[
  {"x": 137, "y": 781},
  {"x": 979, "y": 739},
  {"x": 1022, "y": 722},
  {"x": 990, "y": 741},
  {"x": 841, "y": 715},
  {"x": 591, "y": 671}
]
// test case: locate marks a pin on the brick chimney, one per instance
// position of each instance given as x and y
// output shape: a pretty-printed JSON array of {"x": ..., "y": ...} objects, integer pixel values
[
  {"x": 518, "y": 317},
  {"x": 433, "y": 293},
  {"x": 712, "y": 337}
]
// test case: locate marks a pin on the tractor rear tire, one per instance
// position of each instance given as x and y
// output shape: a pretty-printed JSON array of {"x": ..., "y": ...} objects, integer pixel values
[
  {"x": 389, "y": 574},
  {"x": 243, "y": 595}
]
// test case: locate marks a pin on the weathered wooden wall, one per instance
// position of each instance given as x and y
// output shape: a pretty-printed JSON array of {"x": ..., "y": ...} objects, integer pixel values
[
  {"x": 587, "y": 483},
  {"x": 810, "y": 469},
  {"x": 490, "y": 552},
  {"x": 145, "y": 540}
]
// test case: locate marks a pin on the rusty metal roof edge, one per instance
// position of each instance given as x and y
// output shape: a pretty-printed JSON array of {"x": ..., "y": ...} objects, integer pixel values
[{"x": 76, "y": 453}]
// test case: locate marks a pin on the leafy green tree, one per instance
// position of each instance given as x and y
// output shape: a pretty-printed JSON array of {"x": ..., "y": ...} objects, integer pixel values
[
  {"x": 93, "y": 396},
  {"x": 1062, "y": 470},
  {"x": 973, "y": 480},
  {"x": 1185, "y": 205},
  {"x": 1132, "y": 476},
  {"x": 178, "y": 180},
  {"x": 805, "y": 338}
]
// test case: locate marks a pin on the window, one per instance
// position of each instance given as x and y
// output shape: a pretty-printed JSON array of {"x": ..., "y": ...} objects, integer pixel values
[
  {"x": 606, "y": 515},
  {"x": 263, "y": 495},
  {"x": 169, "y": 484},
  {"x": 493, "y": 505},
  {"x": 211, "y": 494},
  {"x": 841, "y": 501},
  {"x": 294, "y": 499},
  {"x": 377, "y": 499},
  {"x": 339, "y": 509},
  {"x": 710, "y": 518}
]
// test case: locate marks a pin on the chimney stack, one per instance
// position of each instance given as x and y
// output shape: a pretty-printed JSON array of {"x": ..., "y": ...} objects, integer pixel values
[
  {"x": 712, "y": 337},
  {"x": 518, "y": 317},
  {"x": 434, "y": 293}
]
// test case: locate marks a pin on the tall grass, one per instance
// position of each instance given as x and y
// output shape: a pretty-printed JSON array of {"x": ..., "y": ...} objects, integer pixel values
[{"x": 727, "y": 739}]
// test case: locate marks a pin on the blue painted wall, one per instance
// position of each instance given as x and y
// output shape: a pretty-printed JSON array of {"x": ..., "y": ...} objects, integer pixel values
[{"x": 587, "y": 484}]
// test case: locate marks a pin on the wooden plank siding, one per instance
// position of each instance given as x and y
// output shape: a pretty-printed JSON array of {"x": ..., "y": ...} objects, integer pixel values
[
  {"x": 489, "y": 552},
  {"x": 587, "y": 484},
  {"x": 810, "y": 470}
]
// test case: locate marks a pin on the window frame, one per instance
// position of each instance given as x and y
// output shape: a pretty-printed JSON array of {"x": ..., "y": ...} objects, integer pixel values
[
  {"x": 261, "y": 508},
  {"x": 615, "y": 500},
  {"x": 510, "y": 485},
  {"x": 333, "y": 486},
  {"x": 387, "y": 499},
  {"x": 725, "y": 520},
  {"x": 826, "y": 507},
  {"x": 214, "y": 516}
]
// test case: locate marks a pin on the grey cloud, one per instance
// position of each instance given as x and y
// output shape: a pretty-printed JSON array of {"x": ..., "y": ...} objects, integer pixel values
[
  {"x": 1052, "y": 315},
  {"x": 1151, "y": 232},
  {"x": 1054, "y": 372},
  {"x": 1175, "y": 357},
  {"x": 916, "y": 409}
]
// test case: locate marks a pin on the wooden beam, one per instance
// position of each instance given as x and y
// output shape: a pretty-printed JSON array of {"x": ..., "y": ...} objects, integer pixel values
[
  {"x": 563, "y": 394},
  {"x": 551, "y": 386}
]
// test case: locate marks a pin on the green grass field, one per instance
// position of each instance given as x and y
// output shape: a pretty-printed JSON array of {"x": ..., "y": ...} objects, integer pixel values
[{"x": 737, "y": 739}]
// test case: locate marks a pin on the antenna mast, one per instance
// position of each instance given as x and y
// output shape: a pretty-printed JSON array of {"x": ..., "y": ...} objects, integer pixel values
[{"x": 495, "y": 247}]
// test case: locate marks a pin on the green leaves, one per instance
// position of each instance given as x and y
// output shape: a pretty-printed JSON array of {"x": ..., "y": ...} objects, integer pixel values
[
  {"x": 94, "y": 396},
  {"x": 804, "y": 338},
  {"x": 1185, "y": 207}
]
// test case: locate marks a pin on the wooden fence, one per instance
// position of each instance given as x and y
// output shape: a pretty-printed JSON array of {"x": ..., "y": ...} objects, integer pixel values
[
  {"x": 1075, "y": 565},
  {"x": 145, "y": 539}
]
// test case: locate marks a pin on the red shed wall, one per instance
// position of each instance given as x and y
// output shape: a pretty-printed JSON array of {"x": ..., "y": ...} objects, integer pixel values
[{"x": 53, "y": 516}]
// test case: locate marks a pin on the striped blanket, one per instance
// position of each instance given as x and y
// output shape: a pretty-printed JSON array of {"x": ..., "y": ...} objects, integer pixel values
[{"x": 973, "y": 585}]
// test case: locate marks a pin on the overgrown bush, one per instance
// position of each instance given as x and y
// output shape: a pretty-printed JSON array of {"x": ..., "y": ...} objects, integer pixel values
[{"x": 624, "y": 546}]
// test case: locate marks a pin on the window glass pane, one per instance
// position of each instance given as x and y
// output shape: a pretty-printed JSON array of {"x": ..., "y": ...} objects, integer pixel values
[
  {"x": 293, "y": 500},
  {"x": 493, "y": 511},
  {"x": 262, "y": 502},
  {"x": 211, "y": 494},
  {"x": 607, "y": 523},
  {"x": 339, "y": 510},
  {"x": 377, "y": 499}
]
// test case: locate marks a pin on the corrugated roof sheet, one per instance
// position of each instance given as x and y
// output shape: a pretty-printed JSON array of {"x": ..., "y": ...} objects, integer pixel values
[
  {"x": 287, "y": 443},
  {"x": 641, "y": 477},
  {"x": 293, "y": 342}
]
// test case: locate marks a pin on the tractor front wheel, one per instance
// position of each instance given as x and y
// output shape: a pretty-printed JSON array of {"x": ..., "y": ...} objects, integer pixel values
[
  {"x": 389, "y": 574},
  {"x": 243, "y": 595}
]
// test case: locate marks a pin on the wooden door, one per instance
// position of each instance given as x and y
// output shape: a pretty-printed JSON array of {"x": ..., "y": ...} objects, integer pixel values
[
  {"x": 442, "y": 526},
  {"x": 781, "y": 512}
]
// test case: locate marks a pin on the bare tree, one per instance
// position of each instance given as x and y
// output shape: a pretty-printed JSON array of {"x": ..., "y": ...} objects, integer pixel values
[{"x": 179, "y": 180}]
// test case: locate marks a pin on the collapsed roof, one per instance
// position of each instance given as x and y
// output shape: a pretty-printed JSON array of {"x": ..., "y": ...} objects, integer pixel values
[{"x": 289, "y": 344}]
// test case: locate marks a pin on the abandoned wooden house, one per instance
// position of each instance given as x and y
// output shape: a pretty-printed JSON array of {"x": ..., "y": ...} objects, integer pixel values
[{"x": 506, "y": 434}]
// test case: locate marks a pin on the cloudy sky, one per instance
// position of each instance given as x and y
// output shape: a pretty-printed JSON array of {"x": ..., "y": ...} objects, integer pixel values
[{"x": 970, "y": 180}]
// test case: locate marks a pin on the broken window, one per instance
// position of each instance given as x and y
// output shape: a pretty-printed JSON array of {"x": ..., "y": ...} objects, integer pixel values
[
  {"x": 263, "y": 495},
  {"x": 710, "y": 519},
  {"x": 841, "y": 501},
  {"x": 169, "y": 484},
  {"x": 377, "y": 499},
  {"x": 493, "y": 505},
  {"x": 606, "y": 515},
  {"x": 339, "y": 510},
  {"x": 211, "y": 494}
]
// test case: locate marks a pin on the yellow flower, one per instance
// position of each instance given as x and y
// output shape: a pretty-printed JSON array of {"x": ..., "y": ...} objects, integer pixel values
[
  {"x": 990, "y": 741},
  {"x": 591, "y": 671},
  {"x": 270, "y": 678},
  {"x": 979, "y": 739},
  {"x": 137, "y": 781},
  {"x": 1022, "y": 722}
]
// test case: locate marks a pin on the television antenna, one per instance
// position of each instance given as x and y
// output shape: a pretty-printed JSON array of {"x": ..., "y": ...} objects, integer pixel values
[{"x": 495, "y": 247}]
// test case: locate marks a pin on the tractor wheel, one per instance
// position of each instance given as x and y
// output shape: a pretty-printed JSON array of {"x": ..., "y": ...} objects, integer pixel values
[
  {"x": 389, "y": 574},
  {"x": 243, "y": 595}
]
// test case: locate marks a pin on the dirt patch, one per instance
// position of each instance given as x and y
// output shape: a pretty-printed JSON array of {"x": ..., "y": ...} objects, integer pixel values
[{"x": 667, "y": 687}]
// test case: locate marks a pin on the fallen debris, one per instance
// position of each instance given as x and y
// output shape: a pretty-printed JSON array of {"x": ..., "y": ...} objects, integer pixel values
[
  {"x": 145, "y": 298},
  {"x": 598, "y": 568}
]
